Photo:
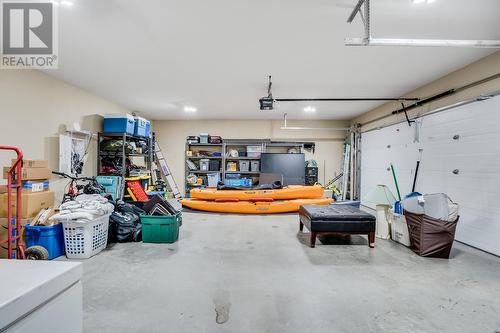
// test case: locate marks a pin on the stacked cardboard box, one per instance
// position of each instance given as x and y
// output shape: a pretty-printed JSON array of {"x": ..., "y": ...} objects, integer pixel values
[
  {"x": 35, "y": 194},
  {"x": 35, "y": 190}
]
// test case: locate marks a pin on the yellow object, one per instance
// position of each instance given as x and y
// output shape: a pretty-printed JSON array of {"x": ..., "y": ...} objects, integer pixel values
[
  {"x": 248, "y": 207},
  {"x": 232, "y": 166},
  {"x": 189, "y": 153},
  {"x": 131, "y": 194},
  {"x": 137, "y": 178},
  {"x": 286, "y": 193}
]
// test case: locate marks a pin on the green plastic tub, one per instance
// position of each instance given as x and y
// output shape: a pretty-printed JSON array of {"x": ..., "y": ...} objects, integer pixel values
[{"x": 160, "y": 229}]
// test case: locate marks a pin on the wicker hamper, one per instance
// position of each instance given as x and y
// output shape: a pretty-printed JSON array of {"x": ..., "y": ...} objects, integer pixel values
[{"x": 430, "y": 237}]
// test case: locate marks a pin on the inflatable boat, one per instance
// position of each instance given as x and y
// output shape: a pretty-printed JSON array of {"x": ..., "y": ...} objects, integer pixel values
[
  {"x": 286, "y": 193},
  {"x": 252, "y": 207}
]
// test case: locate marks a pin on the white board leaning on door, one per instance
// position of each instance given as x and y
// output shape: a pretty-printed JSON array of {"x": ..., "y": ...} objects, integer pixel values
[{"x": 466, "y": 140}]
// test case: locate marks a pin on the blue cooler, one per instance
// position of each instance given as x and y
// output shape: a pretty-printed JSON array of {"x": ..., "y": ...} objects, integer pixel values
[
  {"x": 51, "y": 238},
  {"x": 142, "y": 127},
  {"x": 119, "y": 123},
  {"x": 112, "y": 185}
]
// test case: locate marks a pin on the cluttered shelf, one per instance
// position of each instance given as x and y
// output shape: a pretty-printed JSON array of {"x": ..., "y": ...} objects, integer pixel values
[
  {"x": 230, "y": 158},
  {"x": 244, "y": 172},
  {"x": 121, "y": 135},
  {"x": 205, "y": 157},
  {"x": 205, "y": 144},
  {"x": 119, "y": 153},
  {"x": 205, "y": 171}
]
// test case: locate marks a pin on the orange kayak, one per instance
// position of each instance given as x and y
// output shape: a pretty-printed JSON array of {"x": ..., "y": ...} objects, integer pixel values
[
  {"x": 249, "y": 207},
  {"x": 286, "y": 193}
]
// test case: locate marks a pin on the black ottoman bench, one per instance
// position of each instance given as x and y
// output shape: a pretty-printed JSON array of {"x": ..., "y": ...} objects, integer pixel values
[{"x": 337, "y": 220}]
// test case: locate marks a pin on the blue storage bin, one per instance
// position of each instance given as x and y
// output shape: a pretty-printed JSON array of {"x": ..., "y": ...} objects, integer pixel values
[
  {"x": 204, "y": 137},
  {"x": 148, "y": 128},
  {"x": 112, "y": 185},
  {"x": 142, "y": 127},
  {"x": 51, "y": 238},
  {"x": 119, "y": 123},
  {"x": 244, "y": 182},
  {"x": 352, "y": 203}
]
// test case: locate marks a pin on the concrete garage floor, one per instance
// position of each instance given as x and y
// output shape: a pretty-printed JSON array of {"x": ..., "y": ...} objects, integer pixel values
[{"x": 259, "y": 276}]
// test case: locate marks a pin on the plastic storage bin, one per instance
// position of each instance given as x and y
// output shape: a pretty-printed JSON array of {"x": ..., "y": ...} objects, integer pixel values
[
  {"x": 112, "y": 185},
  {"x": 353, "y": 203},
  {"x": 214, "y": 165},
  {"x": 141, "y": 127},
  {"x": 51, "y": 238},
  {"x": 213, "y": 179},
  {"x": 244, "y": 166},
  {"x": 243, "y": 182},
  {"x": 84, "y": 239},
  {"x": 160, "y": 229},
  {"x": 255, "y": 166},
  {"x": 399, "y": 228},
  {"x": 204, "y": 137},
  {"x": 254, "y": 151},
  {"x": 119, "y": 123},
  {"x": 204, "y": 164}
]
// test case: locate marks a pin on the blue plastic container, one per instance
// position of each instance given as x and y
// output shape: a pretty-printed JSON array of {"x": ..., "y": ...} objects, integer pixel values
[
  {"x": 119, "y": 123},
  {"x": 51, "y": 238},
  {"x": 142, "y": 127},
  {"x": 111, "y": 184},
  {"x": 352, "y": 203},
  {"x": 243, "y": 182}
]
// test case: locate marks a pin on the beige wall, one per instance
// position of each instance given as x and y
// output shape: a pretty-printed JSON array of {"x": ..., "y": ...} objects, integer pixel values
[
  {"x": 35, "y": 108},
  {"x": 171, "y": 136},
  {"x": 474, "y": 72}
]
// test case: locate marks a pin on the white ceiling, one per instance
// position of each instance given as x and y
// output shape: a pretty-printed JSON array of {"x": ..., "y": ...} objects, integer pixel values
[{"x": 157, "y": 56}]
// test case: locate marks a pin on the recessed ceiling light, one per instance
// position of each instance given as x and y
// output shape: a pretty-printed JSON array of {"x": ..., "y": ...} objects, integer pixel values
[
  {"x": 422, "y": 1},
  {"x": 190, "y": 109},
  {"x": 66, "y": 3},
  {"x": 309, "y": 109}
]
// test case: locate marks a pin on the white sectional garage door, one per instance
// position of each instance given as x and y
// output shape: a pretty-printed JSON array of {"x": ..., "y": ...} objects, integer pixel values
[{"x": 474, "y": 153}]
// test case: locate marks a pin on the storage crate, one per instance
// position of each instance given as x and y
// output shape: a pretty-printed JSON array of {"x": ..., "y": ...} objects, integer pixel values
[
  {"x": 204, "y": 137},
  {"x": 141, "y": 127},
  {"x": 49, "y": 237},
  {"x": 213, "y": 179},
  {"x": 255, "y": 166},
  {"x": 214, "y": 165},
  {"x": 243, "y": 182},
  {"x": 112, "y": 185},
  {"x": 399, "y": 228},
  {"x": 254, "y": 151},
  {"x": 204, "y": 164},
  {"x": 119, "y": 123},
  {"x": 244, "y": 166},
  {"x": 84, "y": 239},
  {"x": 160, "y": 229}
]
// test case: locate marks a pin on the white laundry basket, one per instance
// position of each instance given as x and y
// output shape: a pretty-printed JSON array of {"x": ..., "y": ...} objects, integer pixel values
[{"x": 84, "y": 239}]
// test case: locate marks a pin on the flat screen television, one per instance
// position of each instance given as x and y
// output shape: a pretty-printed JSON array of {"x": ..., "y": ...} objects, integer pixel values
[{"x": 291, "y": 166}]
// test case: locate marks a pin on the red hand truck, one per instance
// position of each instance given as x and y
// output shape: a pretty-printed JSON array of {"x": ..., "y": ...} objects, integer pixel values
[{"x": 15, "y": 246}]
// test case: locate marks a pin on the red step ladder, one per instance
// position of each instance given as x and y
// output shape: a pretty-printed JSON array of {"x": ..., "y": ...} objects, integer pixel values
[{"x": 15, "y": 246}]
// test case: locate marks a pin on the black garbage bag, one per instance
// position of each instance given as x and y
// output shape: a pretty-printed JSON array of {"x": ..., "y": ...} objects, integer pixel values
[{"x": 125, "y": 223}]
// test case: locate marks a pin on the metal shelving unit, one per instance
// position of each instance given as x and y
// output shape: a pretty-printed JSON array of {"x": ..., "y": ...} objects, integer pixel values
[
  {"x": 266, "y": 146},
  {"x": 123, "y": 155}
]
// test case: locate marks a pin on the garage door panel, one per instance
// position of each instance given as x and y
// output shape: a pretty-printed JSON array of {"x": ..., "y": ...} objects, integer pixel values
[
  {"x": 476, "y": 156},
  {"x": 473, "y": 237}
]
